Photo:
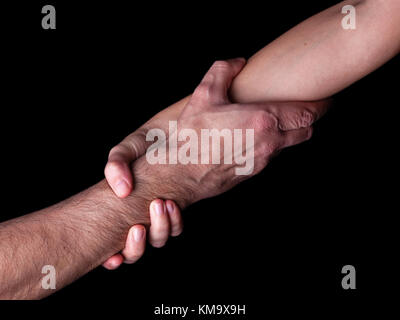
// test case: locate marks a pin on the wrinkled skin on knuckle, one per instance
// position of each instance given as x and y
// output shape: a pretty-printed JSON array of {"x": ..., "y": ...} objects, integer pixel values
[
  {"x": 309, "y": 117},
  {"x": 113, "y": 150},
  {"x": 142, "y": 131},
  {"x": 304, "y": 118},
  {"x": 221, "y": 64}
]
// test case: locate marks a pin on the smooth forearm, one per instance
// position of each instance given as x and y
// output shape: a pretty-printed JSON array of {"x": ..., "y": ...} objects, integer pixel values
[{"x": 317, "y": 58}]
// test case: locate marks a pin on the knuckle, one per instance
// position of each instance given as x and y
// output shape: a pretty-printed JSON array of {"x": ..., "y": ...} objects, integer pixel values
[
  {"x": 221, "y": 64},
  {"x": 202, "y": 91},
  {"x": 118, "y": 149},
  {"x": 114, "y": 150},
  {"x": 305, "y": 118},
  {"x": 263, "y": 120}
]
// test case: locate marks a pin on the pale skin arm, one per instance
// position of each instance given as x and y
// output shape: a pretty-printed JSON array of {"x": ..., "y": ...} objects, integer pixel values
[{"x": 317, "y": 58}]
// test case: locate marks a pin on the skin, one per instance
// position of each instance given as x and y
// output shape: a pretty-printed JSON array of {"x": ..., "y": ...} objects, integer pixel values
[
  {"x": 318, "y": 49},
  {"x": 78, "y": 234},
  {"x": 165, "y": 220}
]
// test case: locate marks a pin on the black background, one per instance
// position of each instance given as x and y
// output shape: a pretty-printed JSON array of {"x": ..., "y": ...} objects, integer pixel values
[{"x": 277, "y": 242}]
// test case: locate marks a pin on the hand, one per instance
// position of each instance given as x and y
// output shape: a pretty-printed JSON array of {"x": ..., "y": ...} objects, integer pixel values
[
  {"x": 119, "y": 177},
  {"x": 276, "y": 126},
  {"x": 118, "y": 169},
  {"x": 166, "y": 220}
]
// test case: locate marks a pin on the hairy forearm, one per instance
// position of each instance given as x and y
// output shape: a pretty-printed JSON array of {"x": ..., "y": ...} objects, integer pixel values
[
  {"x": 75, "y": 235},
  {"x": 317, "y": 58}
]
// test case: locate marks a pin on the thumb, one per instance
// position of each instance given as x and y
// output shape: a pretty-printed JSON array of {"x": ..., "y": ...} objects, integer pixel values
[
  {"x": 213, "y": 89},
  {"x": 117, "y": 171}
]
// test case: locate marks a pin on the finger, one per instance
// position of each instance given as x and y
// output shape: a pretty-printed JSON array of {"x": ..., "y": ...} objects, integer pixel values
[
  {"x": 215, "y": 84},
  {"x": 293, "y": 137},
  {"x": 114, "y": 262},
  {"x": 160, "y": 226},
  {"x": 117, "y": 170},
  {"x": 175, "y": 218},
  {"x": 298, "y": 114},
  {"x": 135, "y": 244},
  {"x": 292, "y": 115}
]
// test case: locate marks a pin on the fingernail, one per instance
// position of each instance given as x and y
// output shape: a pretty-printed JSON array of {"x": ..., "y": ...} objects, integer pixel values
[
  {"x": 121, "y": 188},
  {"x": 138, "y": 234},
  {"x": 159, "y": 207},
  {"x": 170, "y": 207}
]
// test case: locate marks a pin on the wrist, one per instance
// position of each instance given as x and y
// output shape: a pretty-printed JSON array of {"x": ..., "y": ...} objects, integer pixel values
[{"x": 169, "y": 181}]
